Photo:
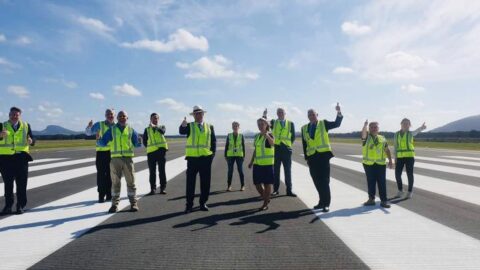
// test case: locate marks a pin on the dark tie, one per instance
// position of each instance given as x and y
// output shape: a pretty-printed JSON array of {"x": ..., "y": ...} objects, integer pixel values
[
  {"x": 200, "y": 127},
  {"x": 312, "y": 131}
]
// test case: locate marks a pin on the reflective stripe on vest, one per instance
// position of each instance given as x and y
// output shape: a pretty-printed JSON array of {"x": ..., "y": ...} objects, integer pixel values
[
  {"x": 103, "y": 129},
  {"x": 263, "y": 155},
  {"x": 156, "y": 140},
  {"x": 16, "y": 141},
  {"x": 374, "y": 153},
  {"x": 235, "y": 148},
  {"x": 198, "y": 142},
  {"x": 321, "y": 142},
  {"x": 121, "y": 142},
  {"x": 282, "y": 134},
  {"x": 404, "y": 145}
]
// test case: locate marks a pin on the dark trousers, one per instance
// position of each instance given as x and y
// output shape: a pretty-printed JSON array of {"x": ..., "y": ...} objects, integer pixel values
[
  {"x": 408, "y": 163},
  {"x": 15, "y": 170},
  {"x": 231, "y": 162},
  {"x": 202, "y": 166},
  {"x": 376, "y": 175},
  {"x": 154, "y": 159},
  {"x": 320, "y": 173},
  {"x": 282, "y": 156},
  {"x": 104, "y": 181}
]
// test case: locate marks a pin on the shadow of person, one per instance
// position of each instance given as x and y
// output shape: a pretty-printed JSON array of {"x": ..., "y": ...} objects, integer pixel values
[
  {"x": 236, "y": 202},
  {"x": 397, "y": 200},
  {"x": 271, "y": 219},
  {"x": 348, "y": 212},
  {"x": 70, "y": 205},
  {"x": 213, "y": 220},
  {"x": 197, "y": 195}
]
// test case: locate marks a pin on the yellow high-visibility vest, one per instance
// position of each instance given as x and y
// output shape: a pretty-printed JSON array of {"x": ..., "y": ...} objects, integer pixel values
[
  {"x": 156, "y": 140},
  {"x": 374, "y": 150},
  {"x": 235, "y": 148},
  {"x": 282, "y": 134},
  {"x": 263, "y": 155},
  {"x": 103, "y": 129},
  {"x": 404, "y": 145},
  {"x": 16, "y": 141},
  {"x": 199, "y": 141},
  {"x": 121, "y": 142},
  {"x": 321, "y": 142}
]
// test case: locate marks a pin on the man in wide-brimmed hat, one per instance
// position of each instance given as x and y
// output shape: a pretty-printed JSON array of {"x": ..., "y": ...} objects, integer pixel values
[{"x": 200, "y": 150}]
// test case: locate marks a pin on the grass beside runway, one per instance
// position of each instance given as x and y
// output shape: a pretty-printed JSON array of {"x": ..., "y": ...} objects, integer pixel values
[{"x": 423, "y": 144}]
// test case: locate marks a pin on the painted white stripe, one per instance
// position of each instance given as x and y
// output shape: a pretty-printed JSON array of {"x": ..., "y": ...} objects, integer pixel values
[
  {"x": 451, "y": 189},
  {"x": 462, "y": 157},
  {"x": 388, "y": 239},
  {"x": 44, "y": 160},
  {"x": 60, "y": 164},
  {"x": 45, "y": 229},
  {"x": 51, "y": 178},
  {"x": 450, "y": 161},
  {"x": 441, "y": 168}
]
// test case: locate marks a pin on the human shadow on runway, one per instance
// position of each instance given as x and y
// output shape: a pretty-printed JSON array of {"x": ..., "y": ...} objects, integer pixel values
[
  {"x": 213, "y": 220},
  {"x": 348, "y": 212},
  {"x": 198, "y": 195},
  {"x": 70, "y": 205},
  {"x": 271, "y": 220},
  {"x": 396, "y": 200},
  {"x": 235, "y": 202}
]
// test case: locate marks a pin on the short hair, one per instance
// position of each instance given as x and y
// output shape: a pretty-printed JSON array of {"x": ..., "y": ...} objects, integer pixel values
[
  {"x": 281, "y": 109},
  {"x": 15, "y": 109},
  {"x": 109, "y": 110},
  {"x": 311, "y": 111},
  {"x": 153, "y": 114},
  {"x": 122, "y": 112},
  {"x": 235, "y": 123},
  {"x": 372, "y": 123},
  {"x": 406, "y": 120}
]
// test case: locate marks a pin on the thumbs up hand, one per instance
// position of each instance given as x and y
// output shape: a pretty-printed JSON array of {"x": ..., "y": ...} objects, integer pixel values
[
  {"x": 184, "y": 122},
  {"x": 90, "y": 124},
  {"x": 337, "y": 108},
  {"x": 423, "y": 127},
  {"x": 366, "y": 123}
]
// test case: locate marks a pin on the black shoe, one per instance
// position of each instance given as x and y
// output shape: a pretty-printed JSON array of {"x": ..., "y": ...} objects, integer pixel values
[
  {"x": 6, "y": 211},
  {"x": 163, "y": 192},
  {"x": 101, "y": 198},
  {"x": 318, "y": 206},
  {"x": 152, "y": 192},
  {"x": 203, "y": 207},
  {"x": 188, "y": 210},
  {"x": 109, "y": 198},
  {"x": 20, "y": 210},
  {"x": 326, "y": 209},
  {"x": 385, "y": 205},
  {"x": 113, "y": 209},
  {"x": 291, "y": 194},
  {"x": 275, "y": 193}
]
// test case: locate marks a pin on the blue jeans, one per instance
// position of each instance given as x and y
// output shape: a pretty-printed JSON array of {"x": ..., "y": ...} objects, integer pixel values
[{"x": 376, "y": 175}]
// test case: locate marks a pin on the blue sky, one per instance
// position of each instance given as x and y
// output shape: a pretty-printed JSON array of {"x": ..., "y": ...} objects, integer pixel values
[{"x": 64, "y": 62}]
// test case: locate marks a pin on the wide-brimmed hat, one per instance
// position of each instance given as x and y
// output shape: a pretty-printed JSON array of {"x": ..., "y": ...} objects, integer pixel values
[{"x": 197, "y": 109}]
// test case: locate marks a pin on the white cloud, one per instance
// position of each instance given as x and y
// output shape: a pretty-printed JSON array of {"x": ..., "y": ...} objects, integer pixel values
[
  {"x": 126, "y": 90},
  {"x": 96, "y": 26},
  {"x": 2, "y": 38},
  {"x": 354, "y": 28},
  {"x": 230, "y": 107},
  {"x": 68, "y": 84},
  {"x": 181, "y": 40},
  {"x": 342, "y": 70},
  {"x": 19, "y": 91},
  {"x": 98, "y": 96},
  {"x": 23, "y": 40},
  {"x": 49, "y": 110},
  {"x": 411, "y": 88},
  {"x": 174, "y": 105},
  {"x": 217, "y": 67},
  {"x": 7, "y": 64}
]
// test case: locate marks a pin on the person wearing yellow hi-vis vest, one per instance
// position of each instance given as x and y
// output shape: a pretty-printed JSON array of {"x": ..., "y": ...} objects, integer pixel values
[
  {"x": 405, "y": 155},
  {"x": 235, "y": 153},
  {"x": 318, "y": 152},
  {"x": 102, "y": 159},
  {"x": 15, "y": 139},
  {"x": 156, "y": 144},
  {"x": 375, "y": 151},
  {"x": 263, "y": 159},
  {"x": 284, "y": 133},
  {"x": 122, "y": 139},
  {"x": 200, "y": 151}
]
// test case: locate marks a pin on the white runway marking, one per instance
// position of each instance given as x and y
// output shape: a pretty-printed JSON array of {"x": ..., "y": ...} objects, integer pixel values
[
  {"x": 449, "y": 161},
  {"x": 459, "y": 191},
  {"x": 51, "y": 178},
  {"x": 44, "y": 160},
  {"x": 441, "y": 168},
  {"x": 462, "y": 157},
  {"x": 60, "y": 164},
  {"x": 388, "y": 239},
  {"x": 47, "y": 228}
]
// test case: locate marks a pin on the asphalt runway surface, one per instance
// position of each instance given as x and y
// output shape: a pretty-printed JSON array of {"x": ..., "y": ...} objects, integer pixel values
[{"x": 65, "y": 227}]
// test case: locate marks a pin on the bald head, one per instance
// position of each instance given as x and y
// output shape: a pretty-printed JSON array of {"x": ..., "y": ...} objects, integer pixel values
[{"x": 122, "y": 117}]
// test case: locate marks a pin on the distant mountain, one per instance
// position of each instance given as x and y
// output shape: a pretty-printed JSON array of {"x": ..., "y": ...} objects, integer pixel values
[
  {"x": 464, "y": 124},
  {"x": 56, "y": 130}
]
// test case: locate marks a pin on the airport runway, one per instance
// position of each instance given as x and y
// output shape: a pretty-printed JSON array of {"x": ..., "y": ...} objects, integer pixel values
[{"x": 65, "y": 227}]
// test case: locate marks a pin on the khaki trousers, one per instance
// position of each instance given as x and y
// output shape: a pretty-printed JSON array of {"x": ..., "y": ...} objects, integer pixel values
[{"x": 122, "y": 166}]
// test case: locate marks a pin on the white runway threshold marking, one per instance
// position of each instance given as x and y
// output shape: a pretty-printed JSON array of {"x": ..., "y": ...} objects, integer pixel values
[
  {"x": 455, "y": 190},
  {"x": 388, "y": 239},
  {"x": 462, "y": 157},
  {"x": 60, "y": 164},
  {"x": 441, "y": 168},
  {"x": 44, "y": 160},
  {"x": 26, "y": 239},
  {"x": 51, "y": 178}
]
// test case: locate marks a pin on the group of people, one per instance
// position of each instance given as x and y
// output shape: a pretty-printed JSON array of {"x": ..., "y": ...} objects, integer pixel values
[{"x": 116, "y": 141}]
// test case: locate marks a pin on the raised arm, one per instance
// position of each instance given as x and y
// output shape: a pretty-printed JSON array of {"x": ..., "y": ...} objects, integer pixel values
[
  {"x": 365, "y": 130},
  {"x": 418, "y": 130}
]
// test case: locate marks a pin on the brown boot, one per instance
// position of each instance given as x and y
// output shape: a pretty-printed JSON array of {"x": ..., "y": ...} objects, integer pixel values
[{"x": 370, "y": 202}]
